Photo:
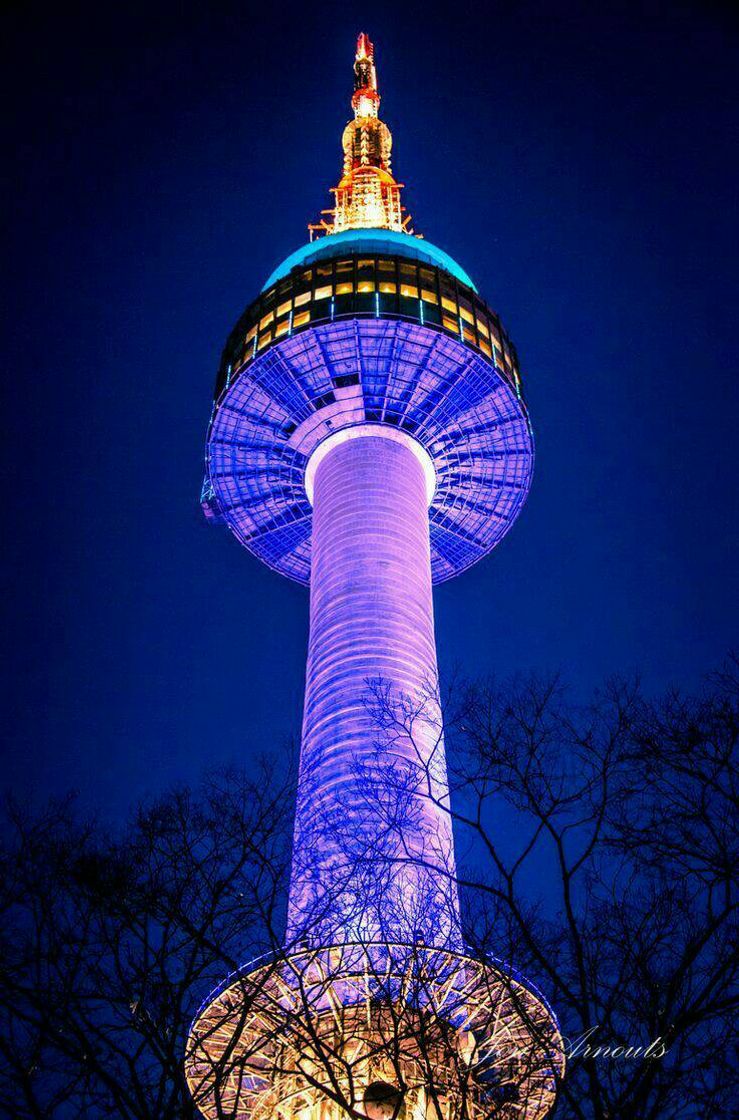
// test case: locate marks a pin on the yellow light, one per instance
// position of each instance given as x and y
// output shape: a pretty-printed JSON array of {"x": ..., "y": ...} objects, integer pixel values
[
  {"x": 366, "y": 107},
  {"x": 367, "y": 197},
  {"x": 264, "y": 1048}
]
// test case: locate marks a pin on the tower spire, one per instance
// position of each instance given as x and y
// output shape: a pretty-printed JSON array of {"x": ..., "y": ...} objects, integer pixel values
[
  {"x": 367, "y": 196},
  {"x": 365, "y": 99}
]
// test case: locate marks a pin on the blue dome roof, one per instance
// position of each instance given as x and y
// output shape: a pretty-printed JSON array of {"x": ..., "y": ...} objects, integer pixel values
[{"x": 370, "y": 241}]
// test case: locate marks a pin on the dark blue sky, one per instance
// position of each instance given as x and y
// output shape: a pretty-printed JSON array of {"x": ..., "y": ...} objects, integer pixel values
[{"x": 580, "y": 162}]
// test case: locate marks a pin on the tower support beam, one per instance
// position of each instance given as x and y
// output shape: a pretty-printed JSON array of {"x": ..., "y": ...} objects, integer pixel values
[{"x": 372, "y": 645}]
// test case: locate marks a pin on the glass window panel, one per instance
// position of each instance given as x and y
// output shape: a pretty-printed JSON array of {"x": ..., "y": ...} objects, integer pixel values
[
  {"x": 283, "y": 309},
  {"x": 388, "y": 287},
  {"x": 409, "y": 290},
  {"x": 428, "y": 295},
  {"x": 344, "y": 288},
  {"x": 365, "y": 286},
  {"x": 304, "y": 297},
  {"x": 266, "y": 319},
  {"x": 324, "y": 292},
  {"x": 449, "y": 304},
  {"x": 301, "y": 318}
]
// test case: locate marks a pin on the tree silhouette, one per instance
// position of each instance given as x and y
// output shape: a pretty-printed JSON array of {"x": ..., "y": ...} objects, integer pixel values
[
  {"x": 595, "y": 850},
  {"x": 599, "y": 854}
]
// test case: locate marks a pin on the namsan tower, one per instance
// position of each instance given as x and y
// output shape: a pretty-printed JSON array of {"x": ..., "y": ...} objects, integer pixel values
[{"x": 369, "y": 439}]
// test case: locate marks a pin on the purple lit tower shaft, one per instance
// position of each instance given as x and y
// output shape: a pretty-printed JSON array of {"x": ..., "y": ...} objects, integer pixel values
[
  {"x": 369, "y": 437},
  {"x": 371, "y": 620}
]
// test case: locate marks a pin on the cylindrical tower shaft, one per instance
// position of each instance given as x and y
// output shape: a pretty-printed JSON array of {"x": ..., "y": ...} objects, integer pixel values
[
  {"x": 371, "y": 648},
  {"x": 368, "y": 437}
]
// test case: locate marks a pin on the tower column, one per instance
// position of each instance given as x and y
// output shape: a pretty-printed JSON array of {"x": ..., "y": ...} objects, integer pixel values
[{"x": 355, "y": 877}]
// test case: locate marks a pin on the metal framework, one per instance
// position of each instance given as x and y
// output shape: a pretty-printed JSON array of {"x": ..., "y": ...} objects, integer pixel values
[
  {"x": 460, "y": 406},
  {"x": 367, "y": 195},
  {"x": 338, "y": 1031}
]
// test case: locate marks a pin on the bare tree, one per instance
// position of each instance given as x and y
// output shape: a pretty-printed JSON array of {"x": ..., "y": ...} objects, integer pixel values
[
  {"x": 595, "y": 852},
  {"x": 108, "y": 944},
  {"x": 599, "y": 854}
]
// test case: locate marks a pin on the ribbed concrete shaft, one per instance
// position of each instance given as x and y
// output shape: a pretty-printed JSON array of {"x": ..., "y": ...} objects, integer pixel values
[{"x": 369, "y": 860}]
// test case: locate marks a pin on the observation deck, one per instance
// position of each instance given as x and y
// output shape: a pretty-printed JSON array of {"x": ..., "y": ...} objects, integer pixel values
[{"x": 349, "y": 336}]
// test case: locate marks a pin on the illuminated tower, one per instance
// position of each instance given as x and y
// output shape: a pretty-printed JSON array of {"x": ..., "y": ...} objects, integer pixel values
[
  {"x": 367, "y": 196},
  {"x": 368, "y": 439}
]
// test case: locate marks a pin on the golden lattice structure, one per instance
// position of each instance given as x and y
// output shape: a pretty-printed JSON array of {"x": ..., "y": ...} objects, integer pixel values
[
  {"x": 367, "y": 196},
  {"x": 386, "y": 1032}
]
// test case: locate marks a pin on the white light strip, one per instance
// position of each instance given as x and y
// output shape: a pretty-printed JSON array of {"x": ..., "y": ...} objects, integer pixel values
[{"x": 383, "y": 431}]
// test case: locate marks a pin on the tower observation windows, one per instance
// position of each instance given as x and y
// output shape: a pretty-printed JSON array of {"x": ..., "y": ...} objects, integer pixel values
[{"x": 359, "y": 287}]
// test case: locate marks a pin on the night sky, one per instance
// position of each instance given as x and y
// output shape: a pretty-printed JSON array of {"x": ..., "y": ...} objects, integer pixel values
[{"x": 579, "y": 161}]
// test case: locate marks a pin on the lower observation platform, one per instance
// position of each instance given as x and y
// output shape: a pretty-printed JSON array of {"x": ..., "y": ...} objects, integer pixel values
[
  {"x": 375, "y": 1030},
  {"x": 455, "y": 402}
]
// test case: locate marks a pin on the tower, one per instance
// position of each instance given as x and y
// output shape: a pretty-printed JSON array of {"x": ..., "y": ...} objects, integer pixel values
[{"x": 368, "y": 439}]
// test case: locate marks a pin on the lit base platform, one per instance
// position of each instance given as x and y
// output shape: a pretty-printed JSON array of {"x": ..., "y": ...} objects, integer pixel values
[{"x": 389, "y": 1032}]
